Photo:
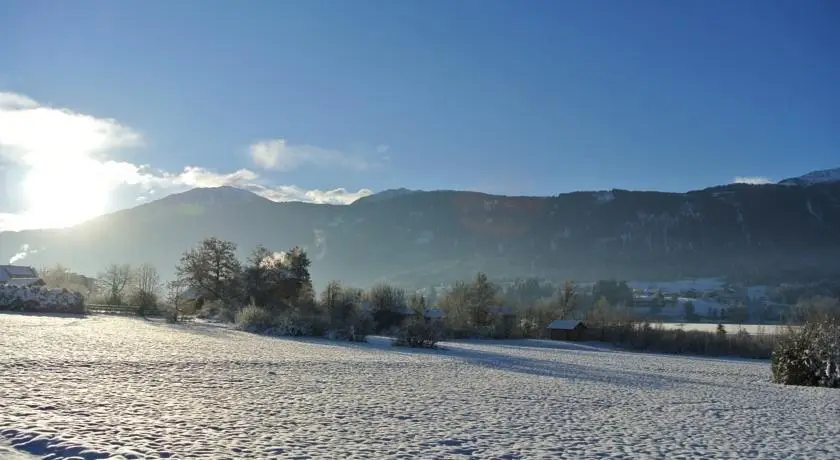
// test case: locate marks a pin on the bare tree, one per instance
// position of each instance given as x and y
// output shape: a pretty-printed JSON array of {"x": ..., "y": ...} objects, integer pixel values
[
  {"x": 146, "y": 288},
  {"x": 147, "y": 280},
  {"x": 564, "y": 301},
  {"x": 113, "y": 282}
]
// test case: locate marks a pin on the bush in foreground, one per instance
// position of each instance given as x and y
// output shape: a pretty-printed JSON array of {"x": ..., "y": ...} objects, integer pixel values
[{"x": 809, "y": 356}]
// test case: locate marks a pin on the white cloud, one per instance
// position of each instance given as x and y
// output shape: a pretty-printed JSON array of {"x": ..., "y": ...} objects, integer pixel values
[
  {"x": 278, "y": 155},
  {"x": 382, "y": 148},
  {"x": 196, "y": 176},
  {"x": 40, "y": 136},
  {"x": 66, "y": 161},
  {"x": 18, "y": 101},
  {"x": 752, "y": 180}
]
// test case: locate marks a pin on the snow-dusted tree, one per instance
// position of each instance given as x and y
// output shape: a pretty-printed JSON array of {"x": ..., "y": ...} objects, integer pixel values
[
  {"x": 565, "y": 301},
  {"x": 483, "y": 296},
  {"x": 276, "y": 280},
  {"x": 417, "y": 303},
  {"x": 114, "y": 281},
  {"x": 810, "y": 355},
  {"x": 212, "y": 268},
  {"x": 257, "y": 275},
  {"x": 456, "y": 306},
  {"x": 175, "y": 298}
]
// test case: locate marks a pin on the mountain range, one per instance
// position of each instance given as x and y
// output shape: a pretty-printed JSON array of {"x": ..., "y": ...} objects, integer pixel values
[{"x": 420, "y": 238}]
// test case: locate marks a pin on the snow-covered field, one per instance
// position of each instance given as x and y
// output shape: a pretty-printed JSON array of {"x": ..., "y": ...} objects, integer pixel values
[{"x": 90, "y": 388}]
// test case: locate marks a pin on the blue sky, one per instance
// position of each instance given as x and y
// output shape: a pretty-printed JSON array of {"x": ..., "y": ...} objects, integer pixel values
[{"x": 537, "y": 97}]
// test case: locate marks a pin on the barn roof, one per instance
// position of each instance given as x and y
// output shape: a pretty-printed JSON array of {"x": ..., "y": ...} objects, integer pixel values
[
  {"x": 23, "y": 282},
  {"x": 9, "y": 272},
  {"x": 564, "y": 324}
]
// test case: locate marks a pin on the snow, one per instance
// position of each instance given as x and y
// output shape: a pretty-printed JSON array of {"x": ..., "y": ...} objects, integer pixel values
[
  {"x": 604, "y": 196},
  {"x": 55, "y": 299},
  {"x": 814, "y": 177},
  {"x": 121, "y": 386}
]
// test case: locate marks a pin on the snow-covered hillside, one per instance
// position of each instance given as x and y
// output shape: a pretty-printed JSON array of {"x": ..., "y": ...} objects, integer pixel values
[
  {"x": 814, "y": 177},
  {"x": 126, "y": 388}
]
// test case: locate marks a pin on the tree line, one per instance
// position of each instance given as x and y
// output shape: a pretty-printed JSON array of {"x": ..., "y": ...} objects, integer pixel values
[{"x": 272, "y": 292}]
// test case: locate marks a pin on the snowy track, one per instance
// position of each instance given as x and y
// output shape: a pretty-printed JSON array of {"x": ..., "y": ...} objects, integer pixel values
[{"x": 119, "y": 387}]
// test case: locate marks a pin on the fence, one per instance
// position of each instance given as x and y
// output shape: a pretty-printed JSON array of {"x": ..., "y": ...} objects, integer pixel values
[
  {"x": 112, "y": 309},
  {"x": 129, "y": 310}
]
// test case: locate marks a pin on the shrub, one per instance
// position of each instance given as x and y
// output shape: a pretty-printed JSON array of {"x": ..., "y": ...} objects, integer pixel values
[
  {"x": 358, "y": 326},
  {"x": 417, "y": 332},
  {"x": 293, "y": 323},
  {"x": 40, "y": 299},
  {"x": 215, "y": 310},
  {"x": 147, "y": 303},
  {"x": 344, "y": 317},
  {"x": 252, "y": 318},
  {"x": 809, "y": 356},
  {"x": 170, "y": 314}
]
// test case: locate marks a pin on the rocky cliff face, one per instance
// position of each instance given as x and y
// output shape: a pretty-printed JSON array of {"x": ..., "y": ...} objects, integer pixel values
[{"x": 420, "y": 238}]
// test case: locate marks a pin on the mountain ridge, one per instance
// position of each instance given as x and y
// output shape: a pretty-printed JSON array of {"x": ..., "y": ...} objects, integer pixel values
[
  {"x": 814, "y": 177},
  {"x": 425, "y": 237}
]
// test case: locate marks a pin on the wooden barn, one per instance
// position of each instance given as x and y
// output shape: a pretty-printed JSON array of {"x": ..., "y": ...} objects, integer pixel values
[{"x": 566, "y": 329}]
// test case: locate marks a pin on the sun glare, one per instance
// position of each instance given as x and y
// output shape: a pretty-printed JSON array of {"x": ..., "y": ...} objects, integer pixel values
[{"x": 64, "y": 195}]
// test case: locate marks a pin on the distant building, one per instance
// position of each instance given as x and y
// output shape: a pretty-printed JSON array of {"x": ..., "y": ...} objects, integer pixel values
[
  {"x": 566, "y": 329},
  {"x": 17, "y": 275}
]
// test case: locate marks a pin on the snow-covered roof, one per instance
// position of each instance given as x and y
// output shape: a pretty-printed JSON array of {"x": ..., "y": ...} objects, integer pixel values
[
  {"x": 433, "y": 313},
  {"x": 9, "y": 272},
  {"x": 564, "y": 324},
  {"x": 24, "y": 282}
]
